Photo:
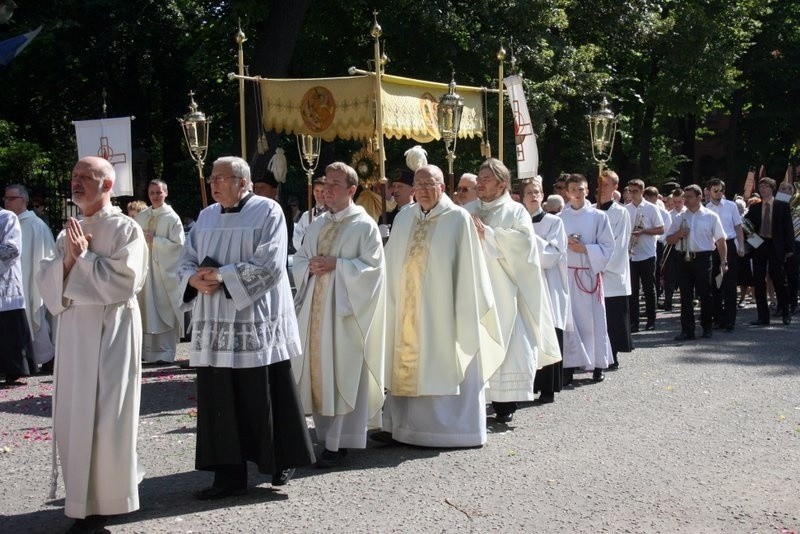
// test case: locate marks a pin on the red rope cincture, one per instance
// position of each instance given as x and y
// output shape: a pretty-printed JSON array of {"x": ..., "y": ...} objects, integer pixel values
[{"x": 598, "y": 285}]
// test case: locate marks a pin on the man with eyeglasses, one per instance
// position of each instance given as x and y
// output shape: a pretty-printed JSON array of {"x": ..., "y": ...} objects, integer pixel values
[
  {"x": 466, "y": 195},
  {"x": 37, "y": 244},
  {"x": 443, "y": 337},
  {"x": 515, "y": 269},
  {"x": 244, "y": 332},
  {"x": 724, "y": 295},
  {"x": 341, "y": 312}
]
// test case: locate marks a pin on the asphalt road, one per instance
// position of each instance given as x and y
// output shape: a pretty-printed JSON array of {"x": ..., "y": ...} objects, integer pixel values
[{"x": 701, "y": 436}]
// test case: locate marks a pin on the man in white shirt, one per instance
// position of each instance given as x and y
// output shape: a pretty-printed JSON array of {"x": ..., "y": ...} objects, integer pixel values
[
  {"x": 725, "y": 301},
  {"x": 646, "y": 225},
  {"x": 669, "y": 264},
  {"x": 696, "y": 231},
  {"x": 318, "y": 192}
]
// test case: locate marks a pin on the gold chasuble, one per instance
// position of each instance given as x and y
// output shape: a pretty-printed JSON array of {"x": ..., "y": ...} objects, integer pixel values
[
  {"x": 405, "y": 373},
  {"x": 329, "y": 233}
]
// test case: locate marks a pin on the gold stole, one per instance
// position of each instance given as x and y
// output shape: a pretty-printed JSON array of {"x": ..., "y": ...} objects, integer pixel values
[
  {"x": 328, "y": 235},
  {"x": 405, "y": 369}
]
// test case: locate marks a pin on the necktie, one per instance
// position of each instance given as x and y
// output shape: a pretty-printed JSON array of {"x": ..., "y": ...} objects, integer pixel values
[{"x": 766, "y": 226}]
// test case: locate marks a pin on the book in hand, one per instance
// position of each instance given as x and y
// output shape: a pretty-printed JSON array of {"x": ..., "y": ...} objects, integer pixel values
[{"x": 208, "y": 261}]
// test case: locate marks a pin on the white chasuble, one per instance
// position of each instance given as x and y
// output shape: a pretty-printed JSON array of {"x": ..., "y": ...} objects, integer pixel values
[
  {"x": 341, "y": 317},
  {"x": 523, "y": 304},
  {"x": 587, "y": 346},
  {"x": 37, "y": 244},
  {"x": 160, "y": 298},
  {"x": 98, "y": 368},
  {"x": 443, "y": 336}
]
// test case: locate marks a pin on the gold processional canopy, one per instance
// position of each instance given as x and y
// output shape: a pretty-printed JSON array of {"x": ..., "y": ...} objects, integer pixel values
[{"x": 343, "y": 107}]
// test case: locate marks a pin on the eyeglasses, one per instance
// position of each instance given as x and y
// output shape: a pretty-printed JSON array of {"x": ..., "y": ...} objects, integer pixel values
[
  {"x": 464, "y": 189},
  {"x": 10, "y": 198},
  {"x": 217, "y": 179},
  {"x": 426, "y": 185}
]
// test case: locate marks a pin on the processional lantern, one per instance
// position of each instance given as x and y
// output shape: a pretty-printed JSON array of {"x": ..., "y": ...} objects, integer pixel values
[
  {"x": 195, "y": 127},
  {"x": 309, "y": 147},
  {"x": 450, "y": 107},
  {"x": 602, "y": 131}
]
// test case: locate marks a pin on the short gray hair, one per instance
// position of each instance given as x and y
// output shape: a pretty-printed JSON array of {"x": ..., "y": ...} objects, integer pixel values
[
  {"x": 433, "y": 171},
  {"x": 239, "y": 167},
  {"x": 21, "y": 189}
]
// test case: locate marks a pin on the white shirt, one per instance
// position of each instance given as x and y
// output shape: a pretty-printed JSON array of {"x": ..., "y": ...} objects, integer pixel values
[
  {"x": 646, "y": 215},
  {"x": 728, "y": 214},
  {"x": 705, "y": 229}
]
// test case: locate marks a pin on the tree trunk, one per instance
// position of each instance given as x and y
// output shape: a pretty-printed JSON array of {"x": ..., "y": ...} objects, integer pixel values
[
  {"x": 687, "y": 131},
  {"x": 734, "y": 182},
  {"x": 646, "y": 140}
]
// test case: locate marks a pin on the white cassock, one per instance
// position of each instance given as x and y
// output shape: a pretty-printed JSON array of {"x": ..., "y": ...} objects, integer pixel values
[
  {"x": 98, "y": 363},
  {"x": 302, "y": 224},
  {"x": 341, "y": 317},
  {"x": 443, "y": 337},
  {"x": 552, "y": 244},
  {"x": 617, "y": 274},
  {"x": 37, "y": 244},
  {"x": 520, "y": 295},
  {"x": 588, "y": 346},
  {"x": 160, "y": 298}
]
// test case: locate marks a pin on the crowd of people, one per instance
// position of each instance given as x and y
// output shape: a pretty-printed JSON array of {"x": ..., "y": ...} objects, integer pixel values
[{"x": 409, "y": 331}]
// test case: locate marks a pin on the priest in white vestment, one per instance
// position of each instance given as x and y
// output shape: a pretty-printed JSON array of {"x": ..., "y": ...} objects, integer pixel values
[
  {"x": 552, "y": 244},
  {"x": 341, "y": 310},
  {"x": 520, "y": 294},
  {"x": 37, "y": 244},
  {"x": 160, "y": 298},
  {"x": 90, "y": 285},
  {"x": 616, "y": 275},
  {"x": 244, "y": 332},
  {"x": 590, "y": 244},
  {"x": 443, "y": 336}
]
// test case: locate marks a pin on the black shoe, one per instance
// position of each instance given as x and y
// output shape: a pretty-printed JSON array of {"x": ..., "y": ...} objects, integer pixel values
[
  {"x": 598, "y": 375},
  {"x": 282, "y": 477},
  {"x": 545, "y": 398},
  {"x": 707, "y": 332},
  {"x": 684, "y": 336},
  {"x": 613, "y": 366},
  {"x": 787, "y": 318},
  {"x": 213, "y": 493},
  {"x": 634, "y": 329},
  {"x": 331, "y": 458},
  {"x": 93, "y": 524},
  {"x": 759, "y": 323},
  {"x": 504, "y": 418},
  {"x": 650, "y": 325},
  {"x": 383, "y": 436},
  {"x": 567, "y": 376}
]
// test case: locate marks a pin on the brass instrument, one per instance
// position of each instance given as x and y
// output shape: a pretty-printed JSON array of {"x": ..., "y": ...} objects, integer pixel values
[
  {"x": 638, "y": 226},
  {"x": 687, "y": 255}
]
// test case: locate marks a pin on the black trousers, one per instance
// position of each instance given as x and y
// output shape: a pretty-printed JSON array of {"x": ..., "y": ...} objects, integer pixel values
[
  {"x": 670, "y": 274},
  {"x": 725, "y": 298},
  {"x": 548, "y": 378},
  {"x": 643, "y": 273},
  {"x": 694, "y": 279},
  {"x": 765, "y": 259},
  {"x": 792, "y": 275}
]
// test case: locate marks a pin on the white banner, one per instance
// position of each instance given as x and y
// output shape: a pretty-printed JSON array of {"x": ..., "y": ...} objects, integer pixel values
[
  {"x": 109, "y": 139},
  {"x": 527, "y": 152}
]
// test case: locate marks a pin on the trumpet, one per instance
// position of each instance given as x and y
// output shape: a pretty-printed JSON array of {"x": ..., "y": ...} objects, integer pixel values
[
  {"x": 637, "y": 227},
  {"x": 687, "y": 256}
]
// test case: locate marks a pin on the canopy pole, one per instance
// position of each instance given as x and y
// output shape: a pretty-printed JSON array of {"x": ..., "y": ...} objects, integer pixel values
[
  {"x": 240, "y": 38},
  {"x": 376, "y": 32},
  {"x": 501, "y": 55}
]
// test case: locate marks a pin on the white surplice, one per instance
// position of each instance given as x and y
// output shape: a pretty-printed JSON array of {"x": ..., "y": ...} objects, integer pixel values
[
  {"x": 617, "y": 274},
  {"x": 552, "y": 245},
  {"x": 257, "y": 325},
  {"x": 302, "y": 224},
  {"x": 98, "y": 363},
  {"x": 443, "y": 337},
  {"x": 160, "y": 298},
  {"x": 37, "y": 244},
  {"x": 520, "y": 294},
  {"x": 341, "y": 316},
  {"x": 587, "y": 346}
]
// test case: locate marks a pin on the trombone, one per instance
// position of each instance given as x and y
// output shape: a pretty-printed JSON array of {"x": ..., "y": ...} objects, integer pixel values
[{"x": 687, "y": 255}]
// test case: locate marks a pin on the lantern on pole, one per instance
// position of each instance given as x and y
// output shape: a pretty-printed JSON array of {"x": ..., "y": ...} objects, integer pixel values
[
  {"x": 602, "y": 131},
  {"x": 450, "y": 107},
  {"x": 195, "y": 127}
]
